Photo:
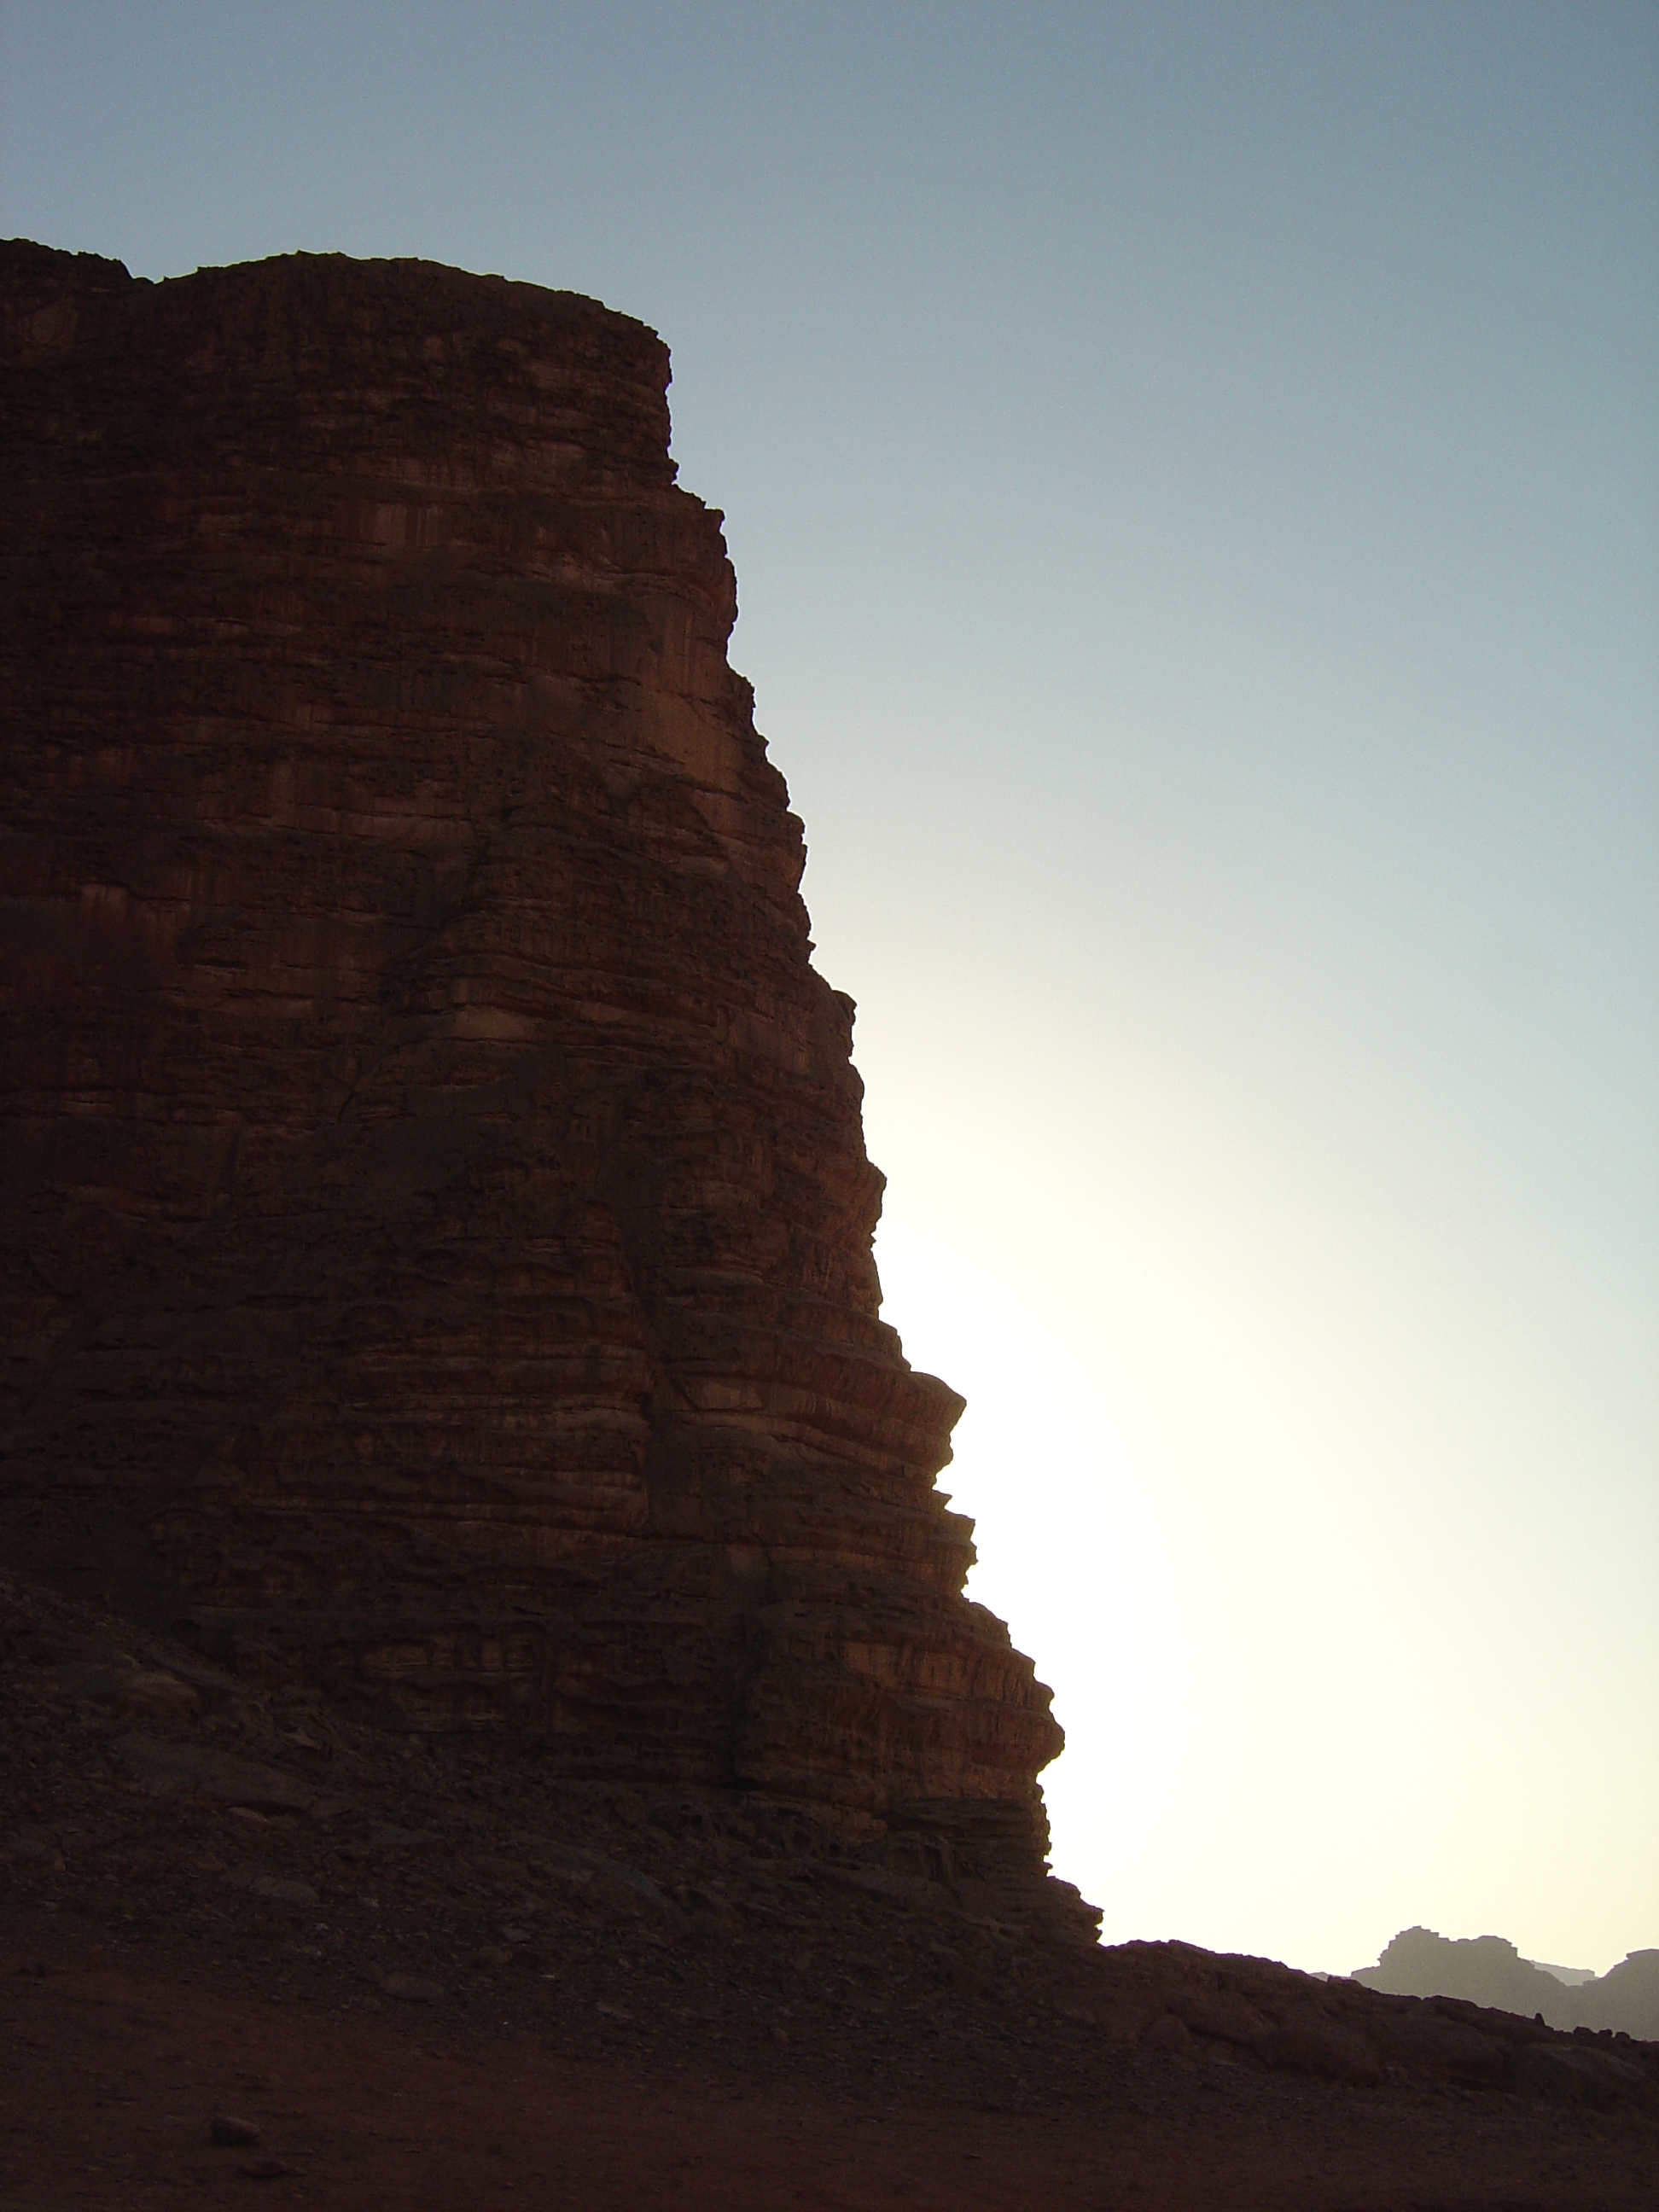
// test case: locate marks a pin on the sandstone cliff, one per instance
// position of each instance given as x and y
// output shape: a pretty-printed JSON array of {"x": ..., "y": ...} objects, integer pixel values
[{"x": 436, "y": 1232}]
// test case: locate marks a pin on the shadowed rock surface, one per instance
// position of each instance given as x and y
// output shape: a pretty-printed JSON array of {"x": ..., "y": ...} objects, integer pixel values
[
  {"x": 435, "y": 1241},
  {"x": 221, "y": 1899}
]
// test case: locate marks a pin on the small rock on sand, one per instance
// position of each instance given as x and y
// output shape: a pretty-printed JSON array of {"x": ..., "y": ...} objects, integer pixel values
[{"x": 413, "y": 1988}]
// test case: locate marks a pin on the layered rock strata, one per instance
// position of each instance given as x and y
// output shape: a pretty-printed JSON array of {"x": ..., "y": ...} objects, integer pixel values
[{"x": 435, "y": 1242}]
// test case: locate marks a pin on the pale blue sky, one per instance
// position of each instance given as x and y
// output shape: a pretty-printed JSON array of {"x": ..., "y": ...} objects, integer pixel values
[{"x": 1194, "y": 479}]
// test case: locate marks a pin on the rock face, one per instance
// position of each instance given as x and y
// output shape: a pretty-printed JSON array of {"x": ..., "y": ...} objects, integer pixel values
[{"x": 435, "y": 1242}]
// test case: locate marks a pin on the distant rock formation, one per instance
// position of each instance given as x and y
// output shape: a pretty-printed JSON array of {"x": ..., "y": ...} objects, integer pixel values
[
  {"x": 436, "y": 1237},
  {"x": 1570, "y": 1976},
  {"x": 1488, "y": 1970}
]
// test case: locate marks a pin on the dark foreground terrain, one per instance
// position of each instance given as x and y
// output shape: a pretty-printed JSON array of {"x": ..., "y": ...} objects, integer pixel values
[{"x": 427, "y": 1978}]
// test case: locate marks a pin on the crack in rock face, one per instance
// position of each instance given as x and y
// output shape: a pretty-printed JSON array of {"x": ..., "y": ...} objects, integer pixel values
[{"x": 435, "y": 1229}]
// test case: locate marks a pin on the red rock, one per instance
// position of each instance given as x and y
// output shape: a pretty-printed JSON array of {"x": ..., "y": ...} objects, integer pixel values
[
  {"x": 1310, "y": 2042},
  {"x": 436, "y": 1231},
  {"x": 229, "y": 2132}
]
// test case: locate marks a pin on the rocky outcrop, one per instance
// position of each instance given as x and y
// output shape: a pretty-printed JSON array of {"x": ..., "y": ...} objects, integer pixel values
[
  {"x": 1483, "y": 1970},
  {"x": 436, "y": 1243},
  {"x": 1488, "y": 1970}
]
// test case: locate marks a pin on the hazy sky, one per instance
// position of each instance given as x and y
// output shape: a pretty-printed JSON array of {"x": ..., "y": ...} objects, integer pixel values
[{"x": 1194, "y": 479}]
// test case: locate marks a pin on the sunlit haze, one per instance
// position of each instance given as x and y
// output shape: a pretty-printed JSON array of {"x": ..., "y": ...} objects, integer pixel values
[{"x": 1192, "y": 476}]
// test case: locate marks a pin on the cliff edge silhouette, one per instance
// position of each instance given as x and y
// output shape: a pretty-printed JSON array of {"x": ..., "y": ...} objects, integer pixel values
[{"x": 436, "y": 1229}]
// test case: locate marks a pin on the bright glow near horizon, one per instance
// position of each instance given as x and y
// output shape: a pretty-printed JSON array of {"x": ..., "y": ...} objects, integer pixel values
[{"x": 1192, "y": 476}]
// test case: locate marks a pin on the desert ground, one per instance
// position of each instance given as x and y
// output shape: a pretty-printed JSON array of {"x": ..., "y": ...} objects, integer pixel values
[{"x": 404, "y": 1972}]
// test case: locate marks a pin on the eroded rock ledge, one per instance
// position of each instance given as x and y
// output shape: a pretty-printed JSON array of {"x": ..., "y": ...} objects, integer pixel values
[{"x": 435, "y": 1242}]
